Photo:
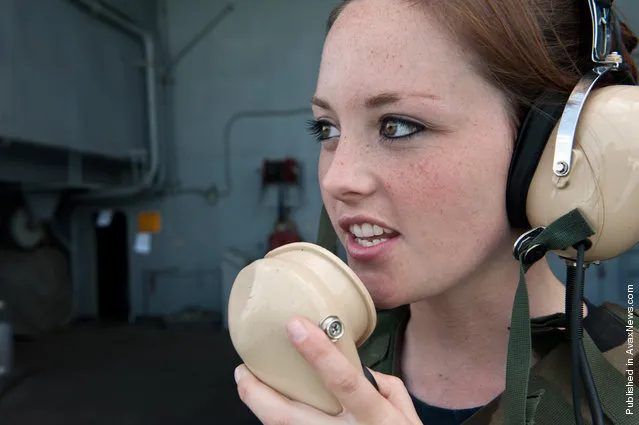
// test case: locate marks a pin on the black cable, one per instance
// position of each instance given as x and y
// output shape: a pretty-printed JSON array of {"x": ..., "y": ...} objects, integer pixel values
[
  {"x": 584, "y": 368},
  {"x": 581, "y": 374},
  {"x": 370, "y": 377},
  {"x": 572, "y": 313},
  {"x": 591, "y": 390}
]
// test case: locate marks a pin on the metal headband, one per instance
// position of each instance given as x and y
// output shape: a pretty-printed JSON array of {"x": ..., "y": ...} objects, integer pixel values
[{"x": 604, "y": 60}]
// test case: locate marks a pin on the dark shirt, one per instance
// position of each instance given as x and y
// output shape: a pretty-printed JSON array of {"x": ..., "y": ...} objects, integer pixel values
[{"x": 431, "y": 415}]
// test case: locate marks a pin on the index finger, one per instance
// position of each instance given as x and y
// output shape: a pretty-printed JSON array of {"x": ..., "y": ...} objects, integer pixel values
[{"x": 346, "y": 381}]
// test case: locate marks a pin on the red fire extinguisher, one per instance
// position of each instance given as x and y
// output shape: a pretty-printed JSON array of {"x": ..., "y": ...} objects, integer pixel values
[{"x": 285, "y": 229}]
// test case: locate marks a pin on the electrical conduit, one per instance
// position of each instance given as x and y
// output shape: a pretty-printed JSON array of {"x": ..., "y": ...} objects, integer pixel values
[{"x": 146, "y": 182}]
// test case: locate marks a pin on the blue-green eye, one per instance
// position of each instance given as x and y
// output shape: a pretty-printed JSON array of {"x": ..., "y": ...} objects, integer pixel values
[
  {"x": 322, "y": 130},
  {"x": 398, "y": 128}
]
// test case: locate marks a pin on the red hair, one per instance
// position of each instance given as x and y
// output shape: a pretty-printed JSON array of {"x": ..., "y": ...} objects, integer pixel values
[{"x": 524, "y": 47}]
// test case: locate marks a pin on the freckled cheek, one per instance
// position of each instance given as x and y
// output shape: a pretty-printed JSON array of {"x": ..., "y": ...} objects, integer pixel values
[
  {"x": 323, "y": 165},
  {"x": 425, "y": 186},
  {"x": 446, "y": 180}
]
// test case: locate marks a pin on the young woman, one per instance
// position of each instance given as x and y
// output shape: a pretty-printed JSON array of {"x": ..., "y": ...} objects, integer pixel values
[{"x": 417, "y": 109}]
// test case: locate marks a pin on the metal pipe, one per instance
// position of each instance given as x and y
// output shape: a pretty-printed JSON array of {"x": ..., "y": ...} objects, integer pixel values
[
  {"x": 210, "y": 26},
  {"x": 146, "y": 181},
  {"x": 228, "y": 128}
]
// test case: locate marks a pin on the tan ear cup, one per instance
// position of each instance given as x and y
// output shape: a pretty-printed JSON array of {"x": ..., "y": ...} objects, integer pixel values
[
  {"x": 604, "y": 180},
  {"x": 298, "y": 279}
]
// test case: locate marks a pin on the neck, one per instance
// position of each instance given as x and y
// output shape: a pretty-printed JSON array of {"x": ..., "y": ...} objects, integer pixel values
[
  {"x": 461, "y": 336},
  {"x": 484, "y": 304}
]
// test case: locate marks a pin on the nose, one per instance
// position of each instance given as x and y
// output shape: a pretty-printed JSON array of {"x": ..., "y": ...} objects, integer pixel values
[{"x": 347, "y": 173}]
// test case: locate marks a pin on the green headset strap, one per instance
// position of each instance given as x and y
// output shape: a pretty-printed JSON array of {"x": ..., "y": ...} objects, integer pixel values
[
  {"x": 326, "y": 236},
  {"x": 530, "y": 248}
]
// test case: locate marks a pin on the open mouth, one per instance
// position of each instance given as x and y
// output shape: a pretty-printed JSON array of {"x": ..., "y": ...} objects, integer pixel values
[{"x": 368, "y": 235}]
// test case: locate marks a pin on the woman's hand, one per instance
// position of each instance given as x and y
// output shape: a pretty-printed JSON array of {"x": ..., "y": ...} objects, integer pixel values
[{"x": 362, "y": 403}]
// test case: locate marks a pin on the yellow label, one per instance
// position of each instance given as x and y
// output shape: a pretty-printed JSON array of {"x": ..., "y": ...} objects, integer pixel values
[{"x": 149, "y": 222}]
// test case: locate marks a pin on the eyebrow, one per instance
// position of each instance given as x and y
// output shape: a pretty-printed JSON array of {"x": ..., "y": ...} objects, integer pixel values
[{"x": 377, "y": 101}]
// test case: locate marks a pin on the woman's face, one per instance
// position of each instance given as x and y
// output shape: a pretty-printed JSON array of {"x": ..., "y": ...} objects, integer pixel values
[{"x": 414, "y": 154}]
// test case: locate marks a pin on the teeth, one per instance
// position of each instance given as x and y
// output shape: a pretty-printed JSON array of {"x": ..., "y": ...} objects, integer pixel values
[
  {"x": 367, "y": 243},
  {"x": 367, "y": 230}
]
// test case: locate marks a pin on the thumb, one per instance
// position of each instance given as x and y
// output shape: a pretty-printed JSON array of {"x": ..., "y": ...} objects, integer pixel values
[{"x": 394, "y": 390}]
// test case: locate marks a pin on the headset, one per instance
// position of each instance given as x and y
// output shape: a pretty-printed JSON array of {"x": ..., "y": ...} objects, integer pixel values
[
  {"x": 579, "y": 152},
  {"x": 537, "y": 127}
]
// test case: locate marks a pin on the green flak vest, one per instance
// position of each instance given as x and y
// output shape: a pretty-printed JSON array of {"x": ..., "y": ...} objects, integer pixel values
[{"x": 606, "y": 330}]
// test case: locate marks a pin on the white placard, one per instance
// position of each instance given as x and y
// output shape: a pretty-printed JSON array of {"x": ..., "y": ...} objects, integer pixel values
[
  {"x": 142, "y": 243},
  {"x": 105, "y": 217}
]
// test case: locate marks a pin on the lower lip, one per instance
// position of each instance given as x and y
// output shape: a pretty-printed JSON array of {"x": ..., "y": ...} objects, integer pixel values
[{"x": 367, "y": 253}]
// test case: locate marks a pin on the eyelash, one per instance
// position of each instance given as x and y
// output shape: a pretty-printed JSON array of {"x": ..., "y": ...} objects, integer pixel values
[{"x": 315, "y": 128}]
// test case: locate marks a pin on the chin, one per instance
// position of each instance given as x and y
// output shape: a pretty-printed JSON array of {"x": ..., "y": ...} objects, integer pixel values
[
  {"x": 386, "y": 304},
  {"x": 387, "y": 297},
  {"x": 384, "y": 296},
  {"x": 380, "y": 285}
]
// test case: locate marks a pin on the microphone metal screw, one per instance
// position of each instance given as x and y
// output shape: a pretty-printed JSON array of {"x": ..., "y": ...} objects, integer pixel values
[{"x": 333, "y": 327}]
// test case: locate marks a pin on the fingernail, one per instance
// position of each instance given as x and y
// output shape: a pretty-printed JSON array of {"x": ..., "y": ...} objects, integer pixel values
[
  {"x": 296, "y": 331},
  {"x": 239, "y": 373}
]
